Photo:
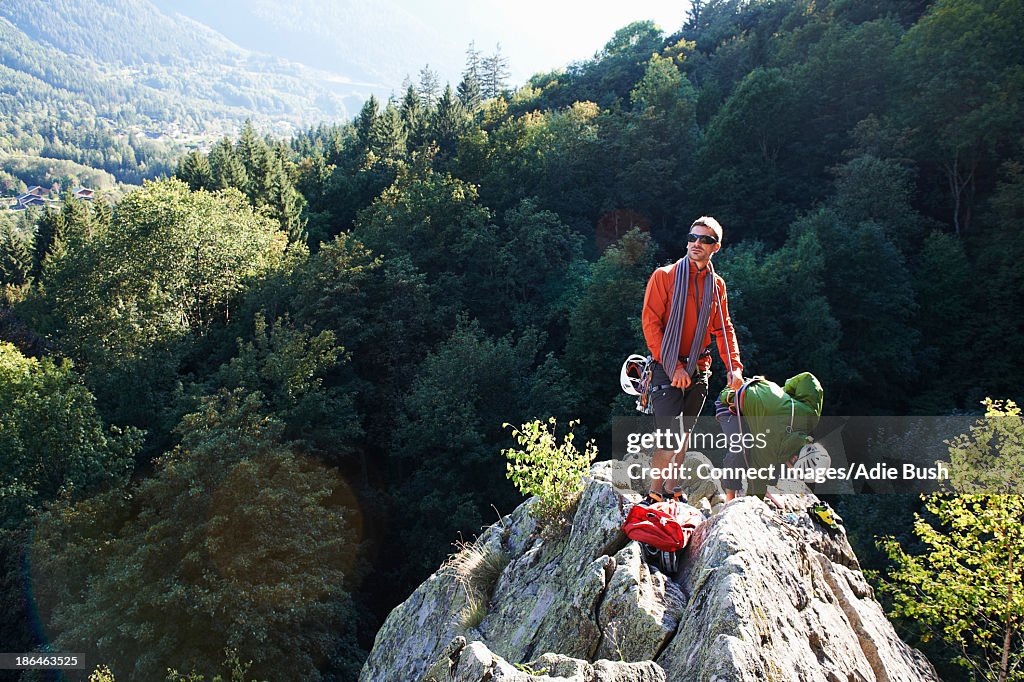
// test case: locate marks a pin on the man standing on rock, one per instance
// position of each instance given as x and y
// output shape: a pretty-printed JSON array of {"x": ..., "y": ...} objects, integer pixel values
[{"x": 684, "y": 305}]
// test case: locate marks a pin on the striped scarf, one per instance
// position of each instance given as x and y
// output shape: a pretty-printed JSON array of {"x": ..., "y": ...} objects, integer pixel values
[{"x": 674, "y": 329}]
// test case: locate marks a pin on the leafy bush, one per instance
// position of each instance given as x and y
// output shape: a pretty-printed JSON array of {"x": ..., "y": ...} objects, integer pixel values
[{"x": 551, "y": 471}]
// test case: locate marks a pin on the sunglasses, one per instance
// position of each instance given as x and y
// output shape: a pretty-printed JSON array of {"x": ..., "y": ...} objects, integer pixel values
[{"x": 702, "y": 238}]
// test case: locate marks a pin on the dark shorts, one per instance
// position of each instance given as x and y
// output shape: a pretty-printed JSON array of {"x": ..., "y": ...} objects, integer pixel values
[{"x": 670, "y": 403}]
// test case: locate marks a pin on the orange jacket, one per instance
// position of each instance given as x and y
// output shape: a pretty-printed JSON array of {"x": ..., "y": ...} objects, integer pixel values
[{"x": 658, "y": 304}]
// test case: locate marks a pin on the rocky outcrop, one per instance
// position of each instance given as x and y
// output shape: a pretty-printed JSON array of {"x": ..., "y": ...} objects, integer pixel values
[
  {"x": 763, "y": 594},
  {"x": 474, "y": 662}
]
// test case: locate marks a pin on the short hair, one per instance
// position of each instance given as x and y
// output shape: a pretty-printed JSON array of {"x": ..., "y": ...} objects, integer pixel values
[{"x": 710, "y": 223}]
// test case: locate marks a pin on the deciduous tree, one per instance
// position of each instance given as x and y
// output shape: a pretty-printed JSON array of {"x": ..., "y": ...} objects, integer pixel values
[
  {"x": 966, "y": 586},
  {"x": 236, "y": 541}
]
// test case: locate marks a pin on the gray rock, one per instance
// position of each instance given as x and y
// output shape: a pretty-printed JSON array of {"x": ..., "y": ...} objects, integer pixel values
[
  {"x": 547, "y": 598},
  {"x": 763, "y": 595},
  {"x": 640, "y": 611},
  {"x": 474, "y": 662},
  {"x": 768, "y": 602}
]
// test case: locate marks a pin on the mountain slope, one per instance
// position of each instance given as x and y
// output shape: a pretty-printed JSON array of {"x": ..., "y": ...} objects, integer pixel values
[
  {"x": 122, "y": 87},
  {"x": 375, "y": 41},
  {"x": 124, "y": 31}
]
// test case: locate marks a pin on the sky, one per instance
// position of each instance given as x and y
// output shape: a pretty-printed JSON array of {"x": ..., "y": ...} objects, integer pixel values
[
  {"x": 371, "y": 47},
  {"x": 540, "y": 35}
]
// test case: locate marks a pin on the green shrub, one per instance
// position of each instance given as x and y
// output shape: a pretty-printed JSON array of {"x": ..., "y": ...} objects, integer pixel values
[{"x": 547, "y": 469}]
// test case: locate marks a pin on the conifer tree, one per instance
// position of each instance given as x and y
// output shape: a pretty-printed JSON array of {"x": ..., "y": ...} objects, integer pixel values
[
  {"x": 76, "y": 216},
  {"x": 258, "y": 162},
  {"x": 388, "y": 136},
  {"x": 26, "y": 222},
  {"x": 49, "y": 231},
  {"x": 365, "y": 121},
  {"x": 470, "y": 93},
  {"x": 693, "y": 15},
  {"x": 194, "y": 168},
  {"x": 15, "y": 257},
  {"x": 249, "y": 147},
  {"x": 413, "y": 120},
  {"x": 410, "y": 108},
  {"x": 495, "y": 73},
  {"x": 429, "y": 87},
  {"x": 225, "y": 166},
  {"x": 285, "y": 204},
  {"x": 449, "y": 120},
  {"x": 472, "y": 59},
  {"x": 469, "y": 90},
  {"x": 101, "y": 213}
]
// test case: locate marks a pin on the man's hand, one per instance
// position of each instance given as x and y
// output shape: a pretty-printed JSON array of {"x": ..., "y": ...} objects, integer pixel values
[
  {"x": 681, "y": 379},
  {"x": 735, "y": 379}
]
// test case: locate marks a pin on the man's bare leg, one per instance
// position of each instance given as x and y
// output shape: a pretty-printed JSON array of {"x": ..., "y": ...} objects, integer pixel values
[{"x": 660, "y": 459}]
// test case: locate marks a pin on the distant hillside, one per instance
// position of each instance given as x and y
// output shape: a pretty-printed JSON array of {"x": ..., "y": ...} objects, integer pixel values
[
  {"x": 125, "y": 31},
  {"x": 122, "y": 87},
  {"x": 346, "y": 36}
]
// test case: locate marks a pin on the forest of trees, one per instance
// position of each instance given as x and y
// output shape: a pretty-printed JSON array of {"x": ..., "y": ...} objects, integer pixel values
[{"x": 247, "y": 409}]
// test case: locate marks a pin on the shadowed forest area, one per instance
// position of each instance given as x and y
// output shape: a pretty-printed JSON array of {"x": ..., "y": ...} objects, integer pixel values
[{"x": 250, "y": 407}]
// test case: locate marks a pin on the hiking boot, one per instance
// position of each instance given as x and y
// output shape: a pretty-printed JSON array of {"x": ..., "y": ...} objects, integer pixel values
[
  {"x": 679, "y": 496},
  {"x": 653, "y": 496}
]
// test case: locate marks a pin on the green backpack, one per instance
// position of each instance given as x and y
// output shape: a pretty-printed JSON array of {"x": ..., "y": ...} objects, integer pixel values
[{"x": 765, "y": 407}]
